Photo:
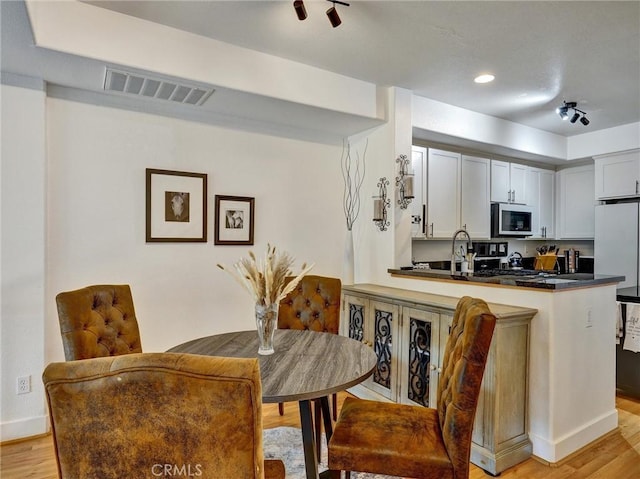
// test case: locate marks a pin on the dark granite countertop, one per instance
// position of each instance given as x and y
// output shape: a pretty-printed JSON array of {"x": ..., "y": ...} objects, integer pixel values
[
  {"x": 547, "y": 282},
  {"x": 629, "y": 295}
]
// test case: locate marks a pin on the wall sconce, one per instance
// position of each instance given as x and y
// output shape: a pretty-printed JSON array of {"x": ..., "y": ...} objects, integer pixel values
[
  {"x": 404, "y": 182},
  {"x": 380, "y": 205}
]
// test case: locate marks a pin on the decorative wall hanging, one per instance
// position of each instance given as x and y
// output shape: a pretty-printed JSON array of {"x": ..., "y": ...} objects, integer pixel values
[
  {"x": 404, "y": 182},
  {"x": 380, "y": 205},
  {"x": 176, "y": 206},
  {"x": 353, "y": 170},
  {"x": 234, "y": 220}
]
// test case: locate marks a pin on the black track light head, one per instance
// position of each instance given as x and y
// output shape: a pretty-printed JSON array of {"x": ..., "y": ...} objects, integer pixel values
[
  {"x": 563, "y": 111},
  {"x": 575, "y": 117},
  {"x": 584, "y": 121},
  {"x": 332, "y": 13},
  {"x": 301, "y": 11},
  {"x": 334, "y": 18}
]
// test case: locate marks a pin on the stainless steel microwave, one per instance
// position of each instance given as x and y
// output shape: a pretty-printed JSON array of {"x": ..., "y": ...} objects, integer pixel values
[{"x": 510, "y": 220}]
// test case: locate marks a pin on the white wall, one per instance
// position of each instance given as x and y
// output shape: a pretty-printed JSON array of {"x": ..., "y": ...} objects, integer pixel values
[
  {"x": 23, "y": 259},
  {"x": 73, "y": 214},
  {"x": 97, "y": 158}
]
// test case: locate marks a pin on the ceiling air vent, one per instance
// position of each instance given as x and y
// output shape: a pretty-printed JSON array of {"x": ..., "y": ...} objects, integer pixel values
[{"x": 145, "y": 86}]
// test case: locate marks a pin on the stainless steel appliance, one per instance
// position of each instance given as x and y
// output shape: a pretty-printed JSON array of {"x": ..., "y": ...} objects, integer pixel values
[
  {"x": 617, "y": 251},
  {"x": 617, "y": 246},
  {"x": 510, "y": 220},
  {"x": 627, "y": 362}
]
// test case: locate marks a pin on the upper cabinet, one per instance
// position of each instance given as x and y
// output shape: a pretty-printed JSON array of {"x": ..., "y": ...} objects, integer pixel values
[
  {"x": 618, "y": 176},
  {"x": 443, "y": 193},
  {"x": 540, "y": 195},
  {"x": 452, "y": 192},
  {"x": 507, "y": 182},
  {"x": 419, "y": 203},
  {"x": 475, "y": 201},
  {"x": 576, "y": 206}
]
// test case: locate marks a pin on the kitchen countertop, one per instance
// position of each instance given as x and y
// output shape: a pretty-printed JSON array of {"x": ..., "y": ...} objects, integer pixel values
[
  {"x": 549, "y": 282},
  {"x": 629, "y": 295}
]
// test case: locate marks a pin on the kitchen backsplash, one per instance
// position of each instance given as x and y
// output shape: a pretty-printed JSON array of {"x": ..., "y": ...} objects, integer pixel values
[{"x": 438, "y": 250}]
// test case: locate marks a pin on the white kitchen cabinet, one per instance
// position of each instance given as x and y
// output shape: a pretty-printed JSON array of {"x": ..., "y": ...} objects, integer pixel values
[
  {"x": 475, "y": 201},
  {"x": 540, "y": 195},
  {"x": 412, "y": 329},
  {"x": 618, "y": 175},
  {"x": 507, "y": 182},
  {"x": 443, "y": 193},
  {"x": 418, "y": 205},
  {"x": 454, "y": 195},
  {"x": 576, "y": 205}
]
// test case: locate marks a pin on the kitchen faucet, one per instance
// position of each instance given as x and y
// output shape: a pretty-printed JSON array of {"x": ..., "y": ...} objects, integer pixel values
[{"x": 453, "y": 246}]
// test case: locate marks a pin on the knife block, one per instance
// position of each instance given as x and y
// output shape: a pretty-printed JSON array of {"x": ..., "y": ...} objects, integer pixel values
[{"x": 545, "y": 262}]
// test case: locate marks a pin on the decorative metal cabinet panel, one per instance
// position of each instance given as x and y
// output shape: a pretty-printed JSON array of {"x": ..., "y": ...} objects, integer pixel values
[
  {"x": 420, "y": 357},
  {"x": 354, "y": 312},
  {"x": 376, "y": 324}
]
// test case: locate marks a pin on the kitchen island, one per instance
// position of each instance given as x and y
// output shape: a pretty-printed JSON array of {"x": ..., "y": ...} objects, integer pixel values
[
  {"x": 521, "y": 278},
  {"x": 572, "y": 358}
]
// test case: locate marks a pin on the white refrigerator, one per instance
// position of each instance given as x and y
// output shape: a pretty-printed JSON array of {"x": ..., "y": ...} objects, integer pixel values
[{"x": 617, "y": 242}]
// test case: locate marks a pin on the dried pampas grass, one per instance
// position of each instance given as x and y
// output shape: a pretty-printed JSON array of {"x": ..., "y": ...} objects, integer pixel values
[{"x": 266, "y": 280}]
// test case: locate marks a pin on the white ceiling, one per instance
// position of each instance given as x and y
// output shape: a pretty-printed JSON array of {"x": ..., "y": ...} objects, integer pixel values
[{"x": 540, "y": 52}]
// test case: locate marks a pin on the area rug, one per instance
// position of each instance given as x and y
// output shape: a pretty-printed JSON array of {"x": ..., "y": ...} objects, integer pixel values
[{"x": 285, "y": 443}]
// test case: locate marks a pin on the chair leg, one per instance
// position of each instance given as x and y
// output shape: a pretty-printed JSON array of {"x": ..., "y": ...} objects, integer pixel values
[
  {"x": 335, "y": 406},
  {"x": 281, "y": 408},
  {"x": 317, "y": 413}
]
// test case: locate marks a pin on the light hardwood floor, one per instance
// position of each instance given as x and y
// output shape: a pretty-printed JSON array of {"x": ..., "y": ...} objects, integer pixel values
[{"x": 615, "y": 457}]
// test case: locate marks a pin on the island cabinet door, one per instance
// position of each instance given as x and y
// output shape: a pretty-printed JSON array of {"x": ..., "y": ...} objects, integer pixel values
[
  {"x": 419, "y": 357},
  {"x": 354, "y": 312},
  {"x": 381, "y": 330}
]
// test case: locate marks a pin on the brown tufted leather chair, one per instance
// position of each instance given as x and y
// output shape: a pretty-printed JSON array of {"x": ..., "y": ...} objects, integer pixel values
[
  {"x": 98, "y": 321},
  {"x": 414, "y": 441},
  {"x": 313, "y": 305},
  {"x": 158, "y": 415}
]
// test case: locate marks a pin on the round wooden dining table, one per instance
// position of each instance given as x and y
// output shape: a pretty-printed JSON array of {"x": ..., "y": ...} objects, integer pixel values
[{"x": 305, "y": 366}]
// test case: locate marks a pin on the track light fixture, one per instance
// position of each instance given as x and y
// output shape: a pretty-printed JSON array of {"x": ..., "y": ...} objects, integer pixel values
[
  {"x": 332, "y": 13},
  {"x": 563, "y": 112}
]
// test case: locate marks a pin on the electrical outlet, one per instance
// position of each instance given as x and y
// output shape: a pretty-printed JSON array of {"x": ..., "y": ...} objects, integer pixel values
[
  {"x": 23, "y": 385},
  {"x": 589, "y": 319}
]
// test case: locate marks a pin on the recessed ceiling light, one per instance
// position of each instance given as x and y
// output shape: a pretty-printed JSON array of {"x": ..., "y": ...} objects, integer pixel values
[{"x": 484, "y": 78}]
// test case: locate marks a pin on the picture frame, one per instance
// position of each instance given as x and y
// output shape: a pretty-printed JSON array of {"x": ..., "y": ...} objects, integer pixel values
[
  {"x": 234, "y": 220},
  {"x": 176, "y": 206}
]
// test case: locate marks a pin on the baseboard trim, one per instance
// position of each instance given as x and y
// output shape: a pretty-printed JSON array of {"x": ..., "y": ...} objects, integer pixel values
[
  {"x": 568, "y": 458},
  {"x": 23, "y": 428},
  {"x": 550, "y": 453}
]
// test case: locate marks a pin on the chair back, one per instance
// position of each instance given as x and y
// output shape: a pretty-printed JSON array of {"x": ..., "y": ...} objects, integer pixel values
[
  {"x": 98, "y": 321},
  {"x": 463, "y": 366},
  {"x": 156, "y": 415},
  {"x": 314, "y": 304}
]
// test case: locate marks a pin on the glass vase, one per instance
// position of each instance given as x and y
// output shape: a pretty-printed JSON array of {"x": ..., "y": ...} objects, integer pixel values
[{"x": 266, "y": 323}]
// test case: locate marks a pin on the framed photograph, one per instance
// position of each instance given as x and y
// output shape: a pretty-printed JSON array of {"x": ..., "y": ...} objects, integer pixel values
[
  {"x": 234, "y": 220},
  {"x": 176, "y": 206}
]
